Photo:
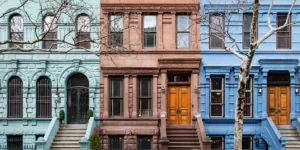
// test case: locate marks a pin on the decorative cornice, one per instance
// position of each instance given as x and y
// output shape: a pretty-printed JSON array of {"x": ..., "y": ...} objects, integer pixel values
[
  {"x": 150, "y": 7},
  {"x": 186, "y": 63},
  {"x": 129, "y": 71}
]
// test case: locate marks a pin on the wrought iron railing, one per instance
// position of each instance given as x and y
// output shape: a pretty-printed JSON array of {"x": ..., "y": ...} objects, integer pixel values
[{"x": 25, "y": 147}]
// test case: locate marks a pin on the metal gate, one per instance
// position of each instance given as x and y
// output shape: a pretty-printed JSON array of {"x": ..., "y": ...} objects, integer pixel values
[{"x": 78, "y": 105}]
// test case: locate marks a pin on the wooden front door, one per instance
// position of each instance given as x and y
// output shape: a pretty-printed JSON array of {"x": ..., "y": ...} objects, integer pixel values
[
  {"x": 179, "y": 105},
  {"x": 279, "y": 104}
]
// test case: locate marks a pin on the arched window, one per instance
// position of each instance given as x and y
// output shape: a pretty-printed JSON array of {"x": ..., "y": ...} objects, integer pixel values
[
  {"x": 15, "y": 97},
  {"x": 83, "y": 31},
  {"x": 16, "y": 30},
  {"x": 50, "y": 29},
  {"x": 43, "y": 98}
]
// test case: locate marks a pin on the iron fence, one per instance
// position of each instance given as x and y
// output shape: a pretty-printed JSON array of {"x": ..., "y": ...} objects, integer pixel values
[{"x": 25, "y": 147}]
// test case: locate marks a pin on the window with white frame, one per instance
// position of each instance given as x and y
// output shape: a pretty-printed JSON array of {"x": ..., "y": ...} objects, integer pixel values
[
  {"x": 218, "y": 143},
  {"x": 144, "y": 97},
  {"x": 248, "y": 102},
  {"x": 247, "y": 143},
  {"x": 216, "y": 96}
]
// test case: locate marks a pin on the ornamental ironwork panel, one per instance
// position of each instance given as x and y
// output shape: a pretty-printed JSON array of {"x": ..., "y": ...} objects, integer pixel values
[
  {"x": 43, "y": 98},
  {"x": 78, "y": 105},
  {"x": 15, "y": 98}
]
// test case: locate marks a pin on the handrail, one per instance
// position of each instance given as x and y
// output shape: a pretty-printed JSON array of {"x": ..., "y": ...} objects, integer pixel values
[
  {"x": 84, "y": 141},
  {"x": 163, "y": 132},
  {"x": 205, "y": 141},
  {"x": 270, "y": 131},
  {"x": 296, "y": 123},
  {"x": 44, "y": 143}
]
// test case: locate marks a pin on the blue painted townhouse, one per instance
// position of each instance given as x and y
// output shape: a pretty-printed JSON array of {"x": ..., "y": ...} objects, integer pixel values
[
  {"x": 272, "y": 105},
  {"x": 35, "y": 86}
]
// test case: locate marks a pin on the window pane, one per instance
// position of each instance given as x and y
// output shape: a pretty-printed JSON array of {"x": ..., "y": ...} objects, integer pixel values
[
  {"x": 145, "y": 88},
  {"x": 247, "y": 22},
  {"x": 183, "y": 23},
  {"x": 116, "y": 23},
  {"x": 115, "y": 143},
  {"x": 216, "y": 97},
  {"x": 116, "y": 88},
  {"x": 116, "y": 39},
  {"x": 16, "y": 36},
  {"x": 117, "y": 107},
  {"x": 216, "y": 83},
  {"x": 247, "y": 143},
  {"x": 50, "y": 44},
  {"x": 144, "y": 143},
  {"x": 178, "y": 77},
  {"x": 217, "y": 143},
  {"x": 183, "y": 40},
  {"x": 216, "y": 109},
  {"x": 83, "y": 24},
  {"x": 83, "y": 39},
  {"x": 150, "y": 23},
  {"x": 149, "y": 40},
  {"x": 281, "y": 21},
  {"x": 246, "y": 41},
  {"x": 145, "y": 107},
  {"x": 247, "y": 110},
  {"x": 217, "y": 23},
  {"x": 216, "y": 41},
  {"x": 16, "y": 24},
  {"x": 283, "y": 42},
  {"x": 50, "y": 24}
]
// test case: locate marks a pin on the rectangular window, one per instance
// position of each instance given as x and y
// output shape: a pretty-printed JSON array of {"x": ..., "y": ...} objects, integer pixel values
[
  {"x": 116, "y": 143},
  {"x": 14, "y": 142},
  {"x": 216, "y": 97},
  {"x": 247, "y": 20},
  {"x": 149, "y": 31},
  {"x": 216, "y": 31},
  {"x": 116, "y": 97},
  {"x": 247, "y": 143},
  {"x": 116, "y": 30},
  {"x": 284, "y": 35},
  {"x": 144, "y": 97},
  {"x": 144, "y": 143},
  {"x": 183, "y": 31},
  {"x": 218, "y": 143},
  {"x": 248, "y": 108}
]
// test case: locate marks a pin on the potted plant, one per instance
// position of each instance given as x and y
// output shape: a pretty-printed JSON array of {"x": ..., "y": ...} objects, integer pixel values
[
  {"x": 90, "y": 114},
  {"x": 62, "y": 116},
  {"x": 95, "y": 142}
]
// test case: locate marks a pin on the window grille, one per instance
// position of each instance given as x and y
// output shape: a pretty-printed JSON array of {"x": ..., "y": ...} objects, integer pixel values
[
  {"x": 144, "y": 97},
  {"x": 15, "y": 142},
  {"x": 115, "y": 143},
  {"x": 83, "y": 31},
  {"x": 216, "y": 97},
  {"x": 16, "y": 30},
  {"x": 43, "y": 98},
  {"x": 116, "y": 97},
  {"x": 218, "y": 143},
  {"x": 144, "y": 143},
  {"x": 247, "y": 143},
  {"x": 15, "y": 98}
]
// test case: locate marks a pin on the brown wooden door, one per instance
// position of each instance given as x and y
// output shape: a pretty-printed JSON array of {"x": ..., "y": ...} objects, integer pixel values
[
  {"x": 179, "y": 105},
  {"x": 279, "y": 104}
]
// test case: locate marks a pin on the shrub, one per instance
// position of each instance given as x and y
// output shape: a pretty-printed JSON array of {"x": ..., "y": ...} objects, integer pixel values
[
  {"x": 61, "y": 115},
  {"x": 95, "y": 142},
  {"x": 90, "y": 114}
]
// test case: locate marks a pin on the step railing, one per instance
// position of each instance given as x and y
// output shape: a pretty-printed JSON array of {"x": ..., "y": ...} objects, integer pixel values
[
  {"x": 84, "y": 141},
  {"x": 205, "y": 141},
  {"x": 296, "y": 123},
  {"x": 271, "y": 133},
  {"x": 44, "y": 143},
  {"x": 163, "y": 132}
]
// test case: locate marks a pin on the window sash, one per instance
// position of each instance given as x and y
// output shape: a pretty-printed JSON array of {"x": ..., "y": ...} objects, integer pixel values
[
  {"x": 279, "y": 38},
  {"x": 81, "y": 36},
  {"x": 116, "y": 100},
  {"x": 217, "y": 103},
  {"x": 246, "y": 32},
  {"x": 217, "y": 140},
  {"x": 247, "y": 143},
  {"x": 249, "y": 91},
  {"x": 150, "y": 36},
  {"x": 215, "y": 31},
  {"x": 144, "y": 143},
  {"x": 116, "y": 143},
  {"x": 145, "y": 99}
]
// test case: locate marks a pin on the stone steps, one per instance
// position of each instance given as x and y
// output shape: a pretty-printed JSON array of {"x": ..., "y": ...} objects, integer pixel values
[
  {"x": 183, "y": 138},
  {"x": 292, "y": 135},
  {"x": 68, "y": 137}
]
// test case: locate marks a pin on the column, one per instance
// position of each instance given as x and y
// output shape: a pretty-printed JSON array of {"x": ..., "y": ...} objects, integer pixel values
[
  {"x": 173, "y": 42},
  {"x": 126, "y": 39},
  {"x": 134, "y": 96},
  {"x": 140, "y": 25},
  {"x": 263, "y": 99},
  {"x": 154, "y": 96},
  {"x": 164, "y": 94},
  {"x": 159, "y": 31},
  {"x": 194, "y": 95},
  {"x": 193, "y": 32},
  {"x": 106, "y": 97},
  {"x": 125, "y": 98}
]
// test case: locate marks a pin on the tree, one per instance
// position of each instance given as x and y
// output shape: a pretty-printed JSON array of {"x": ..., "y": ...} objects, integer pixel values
[{"x": 222, "y": 32}]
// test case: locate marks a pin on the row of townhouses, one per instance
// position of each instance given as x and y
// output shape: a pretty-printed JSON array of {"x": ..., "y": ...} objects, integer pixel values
[{"x": 160, "y": 79}]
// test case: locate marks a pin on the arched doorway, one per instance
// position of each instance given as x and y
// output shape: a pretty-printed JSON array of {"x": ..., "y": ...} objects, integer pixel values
[{"x": 78, "y": 99}]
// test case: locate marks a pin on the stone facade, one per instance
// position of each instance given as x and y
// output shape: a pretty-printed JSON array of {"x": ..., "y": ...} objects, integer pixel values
[
  {"x": 136, "y": 62},
  {"x": 58, "y": 67}
]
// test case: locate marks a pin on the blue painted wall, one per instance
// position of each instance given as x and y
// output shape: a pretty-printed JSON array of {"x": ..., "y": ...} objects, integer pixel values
[
  {"x": 58, "y": 67},
  {"x": 220, "y": 62}
]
